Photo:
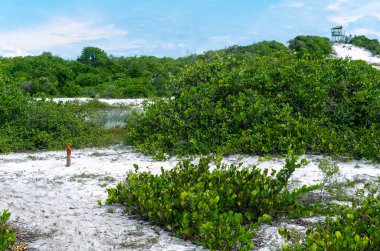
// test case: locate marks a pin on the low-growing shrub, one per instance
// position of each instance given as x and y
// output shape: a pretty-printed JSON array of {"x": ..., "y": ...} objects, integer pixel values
[
  {"x": 7, "y": 236},
  {"x": 354, "y": 228},
  {"x": 346, "y": 227},
  {"x": 214, "y": 207}
]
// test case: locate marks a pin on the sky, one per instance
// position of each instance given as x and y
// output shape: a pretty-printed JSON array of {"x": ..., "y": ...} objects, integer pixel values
[{"x": 172, "y": 28}]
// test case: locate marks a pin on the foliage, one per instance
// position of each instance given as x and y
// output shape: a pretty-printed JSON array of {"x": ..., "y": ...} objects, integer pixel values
[
  {"x": 353, "y": 227},
  {"x": 329, "y": 170},
  {"x": 215, "y": 207},
  {"x": 313, "y": 46},
  {"x": 97, "y": 74},
  {"x": 12, "y": 101},
  {"x": 26, "y": 123},
  {"x": 265, "y": 105},
  {"x": 7, "y": 236},
  {"x": 263, "y": 48},
  {"x": 372, "y": 45},
  {"x": 91, "y": 74},
  {"x": 93, "y": 56}
]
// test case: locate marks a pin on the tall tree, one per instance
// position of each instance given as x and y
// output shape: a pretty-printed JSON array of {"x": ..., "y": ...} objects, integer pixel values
[{"x": 94, "y": 56}]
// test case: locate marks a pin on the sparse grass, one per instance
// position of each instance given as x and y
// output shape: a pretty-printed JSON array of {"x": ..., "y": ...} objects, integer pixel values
[
  {"x": 31, "y": 157},
  {"x": 95, "y": 154},
  {"x": 106, "y": 180},
  {"x": 111, "y": 210},
  {"x": 83, "y": 176}
]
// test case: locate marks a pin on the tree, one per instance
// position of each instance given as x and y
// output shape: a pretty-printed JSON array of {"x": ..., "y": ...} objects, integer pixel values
[
  {"x": 13, "y": 101},
  {"x": 94, "y": 56}
]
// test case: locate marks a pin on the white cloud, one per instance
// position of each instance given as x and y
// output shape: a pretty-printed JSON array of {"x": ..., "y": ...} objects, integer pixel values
[
  {"x": 352, "y": 12},
  {"x": 336, "y": 5},
  {"x": 10, "y": 51},
  {"x": 57, "y": 33},
  {"x": 367, "y": 32}
]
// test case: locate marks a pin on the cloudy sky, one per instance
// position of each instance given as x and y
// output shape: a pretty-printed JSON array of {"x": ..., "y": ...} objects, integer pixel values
[{"x": 172, "y": 28}]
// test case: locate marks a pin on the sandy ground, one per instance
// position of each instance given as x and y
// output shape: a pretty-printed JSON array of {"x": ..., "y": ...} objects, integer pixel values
[
  {"x": 355, "y": 53},
  {"x": 58, "y": 206},
  {"x": 131, "y": 101}
]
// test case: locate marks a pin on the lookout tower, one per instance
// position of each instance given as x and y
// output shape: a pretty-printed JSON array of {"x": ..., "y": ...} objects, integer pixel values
[{"x": 337, "y": 35}]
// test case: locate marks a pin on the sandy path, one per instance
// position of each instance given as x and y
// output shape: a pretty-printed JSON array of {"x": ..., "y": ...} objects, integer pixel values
[{"x": 59, "y": 205}]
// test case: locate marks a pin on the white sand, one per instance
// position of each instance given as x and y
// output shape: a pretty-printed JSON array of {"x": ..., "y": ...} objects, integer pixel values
[
  {"x": 60, "y": 203},
  {"x": 131, "y": 101},
  {"x": 355, "y": 53}
]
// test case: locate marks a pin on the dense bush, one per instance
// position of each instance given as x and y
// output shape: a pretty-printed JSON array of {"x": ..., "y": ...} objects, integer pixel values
[
  {"x": 265, "y": 105},
  {"x": 29, "y": 124},
  {"x": 372, "y": 45},
  {"x": 214, "y": 207},
  {"x": 313, "y": 46}
]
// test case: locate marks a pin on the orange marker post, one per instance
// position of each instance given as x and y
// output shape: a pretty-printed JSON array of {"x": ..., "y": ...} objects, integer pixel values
[{"x": 68, "y": 156}]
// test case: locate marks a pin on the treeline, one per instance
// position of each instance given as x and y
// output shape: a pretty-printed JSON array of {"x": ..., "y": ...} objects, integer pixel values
[
  {"x": 93, "y": 74},
  {"x": 96, "y": 74}
]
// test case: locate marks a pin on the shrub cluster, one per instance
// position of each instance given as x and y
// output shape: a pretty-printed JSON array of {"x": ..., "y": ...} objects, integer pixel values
[
  {"x": 214, "y": 207},
  {"x": 27, "y": 124},
  {"x": 265, "y": 105},
  {"x": 353, "y": 227},
  {"x": 312, "y": 46}
]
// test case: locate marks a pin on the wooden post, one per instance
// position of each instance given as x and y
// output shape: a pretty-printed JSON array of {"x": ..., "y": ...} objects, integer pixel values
[{"x": 68, "y": 156}]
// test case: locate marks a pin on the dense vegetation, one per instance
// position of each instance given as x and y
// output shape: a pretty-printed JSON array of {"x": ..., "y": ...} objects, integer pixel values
[
  {"x": 217, "y": 208},
  {"x": 372, "y": 45},
  {"x": 93, "y": 74},
  {"x": 96, "y": 74},
  {"x": 311, "y": 46},
  {"x": 265, "y": 105},
  {"x": 26, "y": 123}
]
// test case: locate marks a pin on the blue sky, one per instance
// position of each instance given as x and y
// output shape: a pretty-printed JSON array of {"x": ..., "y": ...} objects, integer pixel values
[{"x": 172, "y": 28}]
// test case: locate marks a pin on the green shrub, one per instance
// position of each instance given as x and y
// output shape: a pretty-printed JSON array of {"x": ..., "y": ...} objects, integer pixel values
[
  {"x": 28, "y": 124},
  {"x": 7, "y": 236},
  {"x": 215, "y": 207},
  {"x": 353, "y": 228},
  {"x": 312, "y": 46},
  {"x": 265, "y": 105}
]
